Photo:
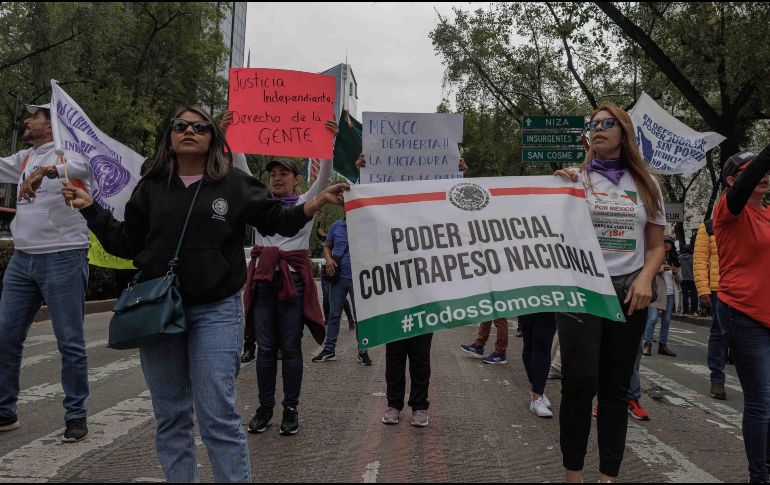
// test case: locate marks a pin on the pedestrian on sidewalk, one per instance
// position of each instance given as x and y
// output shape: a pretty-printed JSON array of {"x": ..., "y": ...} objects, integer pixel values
[
  {"x": 742, "y": 229},
  {"x": 326, "y": 286},
  {"x": 617, "y": 179},
  {"x": 706, "y": 270},
  {"x": 50, "y": 264},
  {"x": 663, "y": 306},
  {"x": 538, "y": 330},
  {"x": 194, "y": 373},
  {"x": 476, "y": 349},
  {"x": 689, "y": 293}
]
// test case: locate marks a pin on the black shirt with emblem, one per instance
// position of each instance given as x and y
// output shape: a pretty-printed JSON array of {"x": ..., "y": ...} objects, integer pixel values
[{"x": 212, "y": 263}]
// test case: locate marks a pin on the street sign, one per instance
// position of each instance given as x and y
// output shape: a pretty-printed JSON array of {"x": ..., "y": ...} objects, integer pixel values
[
  {"x": 674, "y": 212},
  {"x": 541, "y": 122},
  {"x": 551, "y": 138},
  {"x": 558, "y": 155}
]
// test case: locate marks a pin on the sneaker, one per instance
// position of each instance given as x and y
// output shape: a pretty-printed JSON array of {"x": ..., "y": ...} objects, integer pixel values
[
  {"x": 247, "y": 356},
  {"x": 420, "y": 418},
  {"x": 545, "y": 400},
  {"x": 495, "y": 358},
  {"x": 261, "y": 419},
  {"x": 9, "y": 424},
  {"x": 473, "y": 350},
  {"x": 554, "y": 374},
  {"x": 540, "y": 409},
  {"x": 77, "y": 429},
  {"x": 325, "y": 356},
  {"x": 391, "y": 416},
  {"x": 637, "y": 411},
  {"x": 718, "y": 391},
  {"x": 290, "y": 424},
  {"x": 364, "y": 359}
]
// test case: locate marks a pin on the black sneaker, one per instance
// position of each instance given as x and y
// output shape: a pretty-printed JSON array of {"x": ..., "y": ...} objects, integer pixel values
[
  {"x": 290, "y": 423},
  {"x": 261, "y": 419},
  {"x": 364, "y": 358},
  {"x": 247, "y": 356},
  {"x": 9, "y": 424},
  {"x": 325, "y": 356},
  {"x": 77, "y": 429}
]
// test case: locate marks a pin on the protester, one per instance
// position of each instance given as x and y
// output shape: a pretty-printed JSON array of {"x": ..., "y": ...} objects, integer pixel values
[
  {"x": 195, "y": 372},
  {"x": 476, "y": 349},
  {"x": 326, "y": 283},
  {"x": 742, "y": 229},
  {"x": 50, "y": 264},
  {"x": 417, "y": 351},
  {"x": 689, "y": 293},
  {"x": 663, "y": 307},
  {"x": 706, "y": 269},
  {"x": 617, "y": 179},
  {"x": 538, "y": 330},
  {"x": 281, "y": 297}
]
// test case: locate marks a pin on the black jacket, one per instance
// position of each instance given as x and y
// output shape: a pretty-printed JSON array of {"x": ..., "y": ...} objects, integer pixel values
[{"x": 213, "y": 264}]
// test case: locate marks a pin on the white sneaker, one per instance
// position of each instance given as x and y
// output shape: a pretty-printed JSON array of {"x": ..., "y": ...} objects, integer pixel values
[
  {"x": 545, "y": 399},
  {"x": 540, "y": 409}
]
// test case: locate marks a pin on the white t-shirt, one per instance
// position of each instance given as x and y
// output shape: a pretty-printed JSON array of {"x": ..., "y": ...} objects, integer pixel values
[
  {"x": 619, "y": 218},
  {"x": 668, "y": 277}
]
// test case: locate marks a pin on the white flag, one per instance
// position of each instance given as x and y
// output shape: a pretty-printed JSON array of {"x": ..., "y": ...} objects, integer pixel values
[
  {"x": 115, "y": 168},
  {"x": 669, "y": 146}
]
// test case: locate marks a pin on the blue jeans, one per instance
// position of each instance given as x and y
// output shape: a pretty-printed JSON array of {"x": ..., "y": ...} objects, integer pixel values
[
  {"x": 338, "y": 293},
  {"x": 635, "y": 386},
  {"x": 750, "y": 341},
  {"x": 326, "y": 289},
  {"x": 197, "y": 371},
  {"x": 61, "y": 279},
  {"x": 278, "y": 325},
  {"x": 652, "y": 320},
  {"x": 717, "y": 350}
]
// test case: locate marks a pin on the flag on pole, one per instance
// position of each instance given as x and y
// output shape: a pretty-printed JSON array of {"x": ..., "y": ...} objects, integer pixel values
[{"x": 347, "y": 146}]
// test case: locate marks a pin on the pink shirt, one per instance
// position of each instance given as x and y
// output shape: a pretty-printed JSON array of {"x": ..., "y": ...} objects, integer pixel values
[{"x": 188, "y": 180}]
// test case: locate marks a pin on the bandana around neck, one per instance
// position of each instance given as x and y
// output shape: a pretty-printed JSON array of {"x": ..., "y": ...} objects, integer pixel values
[
  {"x": 289, "y": 201},
  {"x": 612, "y": 169}
]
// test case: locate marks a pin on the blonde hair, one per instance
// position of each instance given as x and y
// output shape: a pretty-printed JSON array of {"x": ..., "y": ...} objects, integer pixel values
[{"x": 645, "y": 182}]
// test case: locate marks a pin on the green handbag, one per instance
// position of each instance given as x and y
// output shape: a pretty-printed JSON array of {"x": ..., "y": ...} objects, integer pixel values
[{"x": 152, "y": 310}]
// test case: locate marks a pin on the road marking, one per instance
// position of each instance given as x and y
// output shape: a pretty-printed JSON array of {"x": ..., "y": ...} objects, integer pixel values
[
  {"x": 47, "y": 391},
  {"x": 680, "y": 330},
  {"x": 39, "y": 340},
  {"x": 652, "y": 451},
  {"x": 36, "y": 359},
  {"x": 732, "y": 382},
  {"x": 722, "y": 411},
  {"x": 372, "y": 470},
  {"x": 694, "y": 342},
  {"x": 43, "y": 458}
]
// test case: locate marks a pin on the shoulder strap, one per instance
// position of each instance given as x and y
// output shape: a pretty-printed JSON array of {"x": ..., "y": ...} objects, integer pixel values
[
  {"x": 175, "y": 261},
  {"x": 709, "y": 227}
]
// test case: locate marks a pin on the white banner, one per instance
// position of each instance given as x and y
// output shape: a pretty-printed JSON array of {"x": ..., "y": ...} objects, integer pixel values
[
  {"x": 427, "y": 257},
  {"x": 669, "y": 146},
  {"x": 401, "y": 147},
  {"x": 115, "y": 168}
]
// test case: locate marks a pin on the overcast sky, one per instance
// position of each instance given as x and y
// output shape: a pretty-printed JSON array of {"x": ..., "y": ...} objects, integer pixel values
[{"x": 387, "y": 45}]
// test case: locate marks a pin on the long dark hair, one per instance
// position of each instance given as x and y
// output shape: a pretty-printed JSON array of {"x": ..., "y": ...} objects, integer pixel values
[
  {"x": 219, "y": 160},
  {"x": 672, "y": 257}
]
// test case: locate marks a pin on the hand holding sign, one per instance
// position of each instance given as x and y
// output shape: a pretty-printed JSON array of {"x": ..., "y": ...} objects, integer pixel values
[{"x": 282, "y": 113}]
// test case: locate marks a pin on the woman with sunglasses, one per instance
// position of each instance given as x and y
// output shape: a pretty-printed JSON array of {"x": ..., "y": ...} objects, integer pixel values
[
  {"x": 742, "y": 230},
  {"x": 598, "y": 355},
  {"x": 195, "y": 373}
]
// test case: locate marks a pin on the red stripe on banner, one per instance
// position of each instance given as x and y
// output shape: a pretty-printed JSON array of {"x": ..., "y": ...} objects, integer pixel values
[
  {"x": 580, "y": 193},
  {"x": 394, "y": 199}
]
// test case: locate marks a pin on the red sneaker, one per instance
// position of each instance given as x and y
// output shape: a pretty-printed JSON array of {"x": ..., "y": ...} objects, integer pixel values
[{"x": 637, "y": 411}]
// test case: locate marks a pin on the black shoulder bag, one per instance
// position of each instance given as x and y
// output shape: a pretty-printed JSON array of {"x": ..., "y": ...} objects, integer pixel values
[{"x": 149, "y": 311}]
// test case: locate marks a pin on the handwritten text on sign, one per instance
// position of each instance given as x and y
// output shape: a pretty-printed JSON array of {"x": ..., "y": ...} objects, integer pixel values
[
  {"x": 411, "y": 146},
  {"x": 282, "y": 113}
]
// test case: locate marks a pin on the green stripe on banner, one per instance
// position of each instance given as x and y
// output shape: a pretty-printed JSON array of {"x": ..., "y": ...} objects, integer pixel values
[{"x": 442, "y": 315}]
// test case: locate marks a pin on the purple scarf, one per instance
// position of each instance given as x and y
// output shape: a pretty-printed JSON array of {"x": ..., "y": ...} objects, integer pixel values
[
  {"x": 612, "y": 169},
  {"x": 287, "y": 202}
]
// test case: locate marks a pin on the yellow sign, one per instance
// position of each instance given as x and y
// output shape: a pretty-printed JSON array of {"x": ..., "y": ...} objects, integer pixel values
[{"x": 98, "y": 256}]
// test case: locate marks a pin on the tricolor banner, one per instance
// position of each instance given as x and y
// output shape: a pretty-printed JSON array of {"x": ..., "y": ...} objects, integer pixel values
[{"x": 432, "y": 256}]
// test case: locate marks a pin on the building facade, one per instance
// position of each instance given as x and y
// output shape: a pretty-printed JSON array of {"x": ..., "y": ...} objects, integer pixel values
[
  {"x": 233, "y": 29},
  {"x": 347, "y": 90}
]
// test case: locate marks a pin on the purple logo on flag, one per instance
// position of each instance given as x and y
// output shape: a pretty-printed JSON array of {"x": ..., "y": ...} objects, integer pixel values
[{"x": 110, "y": 176}]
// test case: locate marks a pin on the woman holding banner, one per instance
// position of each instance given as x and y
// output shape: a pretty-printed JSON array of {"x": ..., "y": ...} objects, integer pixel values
[
  {"x": 742, "y": 229},
  {"x": 598, "y": 355},
  {"x": 195, "y": 372}
]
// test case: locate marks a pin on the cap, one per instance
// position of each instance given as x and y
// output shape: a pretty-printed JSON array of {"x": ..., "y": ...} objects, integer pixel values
[
  {"x": 32, "y": 108},
  {"x": 669, "y": 238},
  {"x": 285, "y": 163},
  {"x": 737, "y": 163}
]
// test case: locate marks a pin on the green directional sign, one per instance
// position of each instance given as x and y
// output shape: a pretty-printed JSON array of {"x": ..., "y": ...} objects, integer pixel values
[
  {"x": 550, "y": 138},
  {"x": 558, "y": 155},
  {"x": 542, "y": 122}
]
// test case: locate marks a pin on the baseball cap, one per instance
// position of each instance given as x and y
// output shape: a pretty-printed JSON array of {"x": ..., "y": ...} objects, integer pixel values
[
  {"x": 737, "y": 163},
  {"x": 33, "y": 108},
  {"x": 670, "y": 239},
  {"x": 285, "y": 163}
]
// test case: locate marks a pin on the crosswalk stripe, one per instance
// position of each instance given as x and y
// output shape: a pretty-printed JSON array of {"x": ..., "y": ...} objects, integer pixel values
[
  {"x": 37, "y": 359},
  {"x": 39, "y": 340},
  {"x": 732, "y": 382}
]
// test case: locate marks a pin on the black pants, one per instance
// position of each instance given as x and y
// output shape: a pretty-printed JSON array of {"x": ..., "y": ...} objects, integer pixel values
[
  {"x": 598, "y": 357},
  {"x": 417, "y": 349},
  {"x": 689, "y": 297},
  {"x": 538, "y": 330}
]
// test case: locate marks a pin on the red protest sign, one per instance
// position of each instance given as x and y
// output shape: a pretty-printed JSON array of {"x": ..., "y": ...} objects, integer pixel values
[{"x": 279, "y": 112}]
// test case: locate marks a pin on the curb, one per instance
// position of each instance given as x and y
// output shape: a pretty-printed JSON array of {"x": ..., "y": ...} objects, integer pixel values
[{"x": 91, "y": 307}]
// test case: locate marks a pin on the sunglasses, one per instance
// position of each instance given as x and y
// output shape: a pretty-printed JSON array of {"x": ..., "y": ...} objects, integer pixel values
[
  {"x": 200, "y": 127},
  {"x": 606, "y": 123}
]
